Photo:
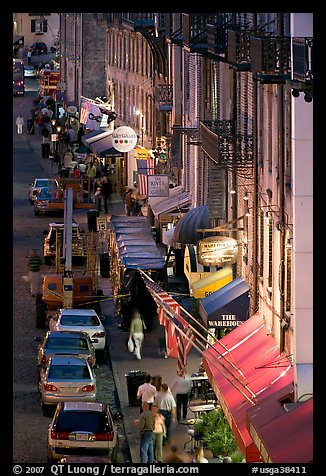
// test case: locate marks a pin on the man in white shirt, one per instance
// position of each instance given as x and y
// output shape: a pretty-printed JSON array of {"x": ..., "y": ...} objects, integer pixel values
[
  {"x": 147, "y": 392},
  {"x": 181, "y": 386}
]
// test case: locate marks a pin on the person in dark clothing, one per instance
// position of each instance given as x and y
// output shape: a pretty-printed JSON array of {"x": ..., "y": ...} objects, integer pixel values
[
  {"x": 80, "y": 134},
  {"x": 130, "y": 209},
  {"x": 106, "y": 192}
]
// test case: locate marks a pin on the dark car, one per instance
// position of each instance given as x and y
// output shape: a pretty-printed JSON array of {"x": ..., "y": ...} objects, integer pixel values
[
  {"x": 82, "y": 429},
  {"x": 39, "y": 48}
]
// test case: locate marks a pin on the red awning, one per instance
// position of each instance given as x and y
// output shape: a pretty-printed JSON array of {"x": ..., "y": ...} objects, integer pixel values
[
  {"x": 282, "y": 436},
  {"x": 258, "y": 371}
]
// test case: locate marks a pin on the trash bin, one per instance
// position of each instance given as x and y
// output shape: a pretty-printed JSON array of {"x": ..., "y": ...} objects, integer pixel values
[
  {"x": 45, "y": 150},
  {"x": 105, "y": 265},
  {"x": 134, "y": 379},
  {"x": 91, "y": 219},
  {"x": 30, "y": 126}
]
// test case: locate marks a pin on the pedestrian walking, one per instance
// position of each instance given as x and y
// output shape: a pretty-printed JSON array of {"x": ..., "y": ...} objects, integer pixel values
[
  {"x": 34, "y": 267},
  {"x": 106, "y": 192},
  {"x": 29, "y": 56},
  {"x": 20, "y": 124},
  {"x": 167, "y": 407},
  {"x": 136, "y": 331},
  {"x": 146, "y": 392},
  {"x": 181, "y": 386},
  {"x": 68, "y": 157},
  {"x": 157, "y": 381},
  {"x": 80, "y": 134},
  {"x": 98, "y": 199},
  {"x": 91, "y": 171},
  {"x": 159, "y": 433},
  {"x": 146, "y": 426}
]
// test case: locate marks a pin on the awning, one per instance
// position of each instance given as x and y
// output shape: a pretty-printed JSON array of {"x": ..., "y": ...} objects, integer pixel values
[
  {"x": 211, "y": 282},
  {"x": 18, "y": 40},
  {"x": 282, "y": 433},
  {"x": 103, "y": 147},
  {"x": 262, "y": 371},
  {"x": 177, "y": 199},
  {"x": 93, "y": 136},
  {"x": 185, "y": 230},
  {"x": 226, "y": 307}
]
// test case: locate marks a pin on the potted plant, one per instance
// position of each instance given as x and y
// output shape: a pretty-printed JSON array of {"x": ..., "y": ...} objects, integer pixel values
[{"x": 216, "y": 434}]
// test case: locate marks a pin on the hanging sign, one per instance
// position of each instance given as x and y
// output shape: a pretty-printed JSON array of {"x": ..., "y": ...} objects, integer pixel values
[
  {"x": 124, "y": 139},
  {"x": 157, "y": 185},
  {"x": 142, "y": 153},
  {"x": 217, "y": 251}
]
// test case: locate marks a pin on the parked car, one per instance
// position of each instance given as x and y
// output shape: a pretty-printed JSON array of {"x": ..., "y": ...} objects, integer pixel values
[
  {"x": 82, "y": 429},
  {"x": 65, "y": 342},
  {"x": 39, "y": 48},
  {"x": 39, "y": 183},
  {"x": 85, "y": 320},
  {"x": 29, "y": 71},
  {"x": 47, "y": 202},
  {"x": 66, "y": 378},
  {"x": 51, "y": 239}
]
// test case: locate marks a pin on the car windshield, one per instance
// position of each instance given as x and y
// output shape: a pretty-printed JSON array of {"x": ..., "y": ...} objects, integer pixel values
[
  {"x": 47, "y": 193},
  {"x": 87, "y": 321},
  {"x": 68, "y": 372},
  {"x": 95, "y": 422},
  {"x": 42, "y": 183},
  {"x": 67, "y": 343}
]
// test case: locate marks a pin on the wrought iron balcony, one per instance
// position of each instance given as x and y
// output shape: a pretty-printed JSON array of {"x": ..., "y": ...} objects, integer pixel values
[
  {"x": 164, "y": 97},
  {"x": 302, "y": 59},
  {"x": 238, "y": 49},
  {"x": 205, "y": 34},
  {"x": 271, "y": 58},
  {"x": 226, "y": 148}
]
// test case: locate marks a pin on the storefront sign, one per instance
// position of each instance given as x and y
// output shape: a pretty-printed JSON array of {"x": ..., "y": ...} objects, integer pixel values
[
  {"x": 124, "y": 139},
  {"x": 227, "y": 320},
  {"x": 217, "y": 251},
  {"x": 142, "y": 153},
  {"x": 158, "y": 186}
]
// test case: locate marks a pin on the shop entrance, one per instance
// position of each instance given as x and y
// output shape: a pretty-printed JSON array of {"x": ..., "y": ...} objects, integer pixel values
[{"x": 115, "y": 165}]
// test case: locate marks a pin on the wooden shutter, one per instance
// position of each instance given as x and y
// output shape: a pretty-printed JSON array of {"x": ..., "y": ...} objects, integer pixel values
[{"x": 32, "y": 26}]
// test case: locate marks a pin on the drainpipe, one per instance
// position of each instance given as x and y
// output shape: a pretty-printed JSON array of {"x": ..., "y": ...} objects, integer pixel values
[
  {"x": 280, "y": 98},
  {"x": 254, "y": 290}
]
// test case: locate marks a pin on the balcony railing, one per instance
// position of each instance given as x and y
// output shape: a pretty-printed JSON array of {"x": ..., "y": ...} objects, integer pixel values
[
  {"x": 270, "y": 58},
  {"x": 302, "y": 59},
  {"x": 227, "y": 148},
  {"x": 238, "y": 48},
  {"x": 164, "y": 97}
]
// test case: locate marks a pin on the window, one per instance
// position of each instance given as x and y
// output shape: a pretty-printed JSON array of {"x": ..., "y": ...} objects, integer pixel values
[
  {"x": 288, "y": 253},
  {"x": 39, "y": 26},
  {"x": 261, "y": 243}
]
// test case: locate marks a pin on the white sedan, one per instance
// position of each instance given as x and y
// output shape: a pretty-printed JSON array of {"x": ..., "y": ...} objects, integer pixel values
[
  {"x": 29, "y": 71},
  {"x": 85, "y": 320}
]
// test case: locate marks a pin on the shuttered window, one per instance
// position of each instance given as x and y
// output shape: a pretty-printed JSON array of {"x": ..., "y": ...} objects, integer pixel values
[{"x": 288, "y": 258}]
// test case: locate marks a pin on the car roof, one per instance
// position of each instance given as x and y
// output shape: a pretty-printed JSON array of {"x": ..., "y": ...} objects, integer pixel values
[
  {"x": 66, "y": 334},
  {"x": 61, "y": 225},
  {"x": 67, "y": 360},
  {"x": 84, "y": 406},
  {"x": 78, "y": 312}
]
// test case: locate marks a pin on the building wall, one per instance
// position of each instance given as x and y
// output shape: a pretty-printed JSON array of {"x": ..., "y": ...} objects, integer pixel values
[
  {"x": 22, "y": 26},
  {"x": 302, "y": 164}
]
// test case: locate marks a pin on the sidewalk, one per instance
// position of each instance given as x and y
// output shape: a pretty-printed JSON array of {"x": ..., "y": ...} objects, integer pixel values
[{"x": 122, "y": 361}]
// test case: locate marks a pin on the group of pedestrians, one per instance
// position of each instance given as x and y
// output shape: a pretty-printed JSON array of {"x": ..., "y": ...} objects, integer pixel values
[{"x": 157, "y": 414}]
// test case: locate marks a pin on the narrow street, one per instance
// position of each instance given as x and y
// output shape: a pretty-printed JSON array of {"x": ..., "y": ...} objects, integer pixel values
[{"x": 30, "y": 445}]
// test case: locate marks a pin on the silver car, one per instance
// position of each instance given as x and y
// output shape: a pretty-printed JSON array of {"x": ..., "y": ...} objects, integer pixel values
[
  {"x": 65, "y": 342},
  {"x": 66, "y": 378},
  {"x": 80, "y": 429},
  {"x": 85, "y": 320},
  {"x": 37, "y": 184}
]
